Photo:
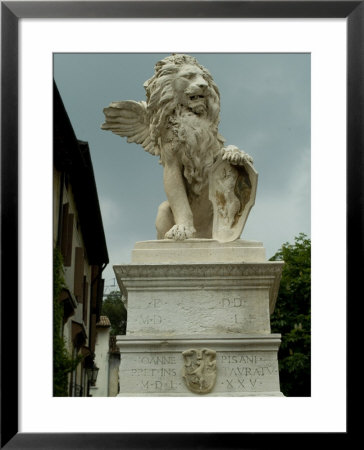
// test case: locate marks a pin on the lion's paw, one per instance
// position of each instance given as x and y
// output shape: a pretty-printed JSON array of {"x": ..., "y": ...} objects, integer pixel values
[
  {"x": 235, "y": 156},
  {"x": 180, "y": 233}
]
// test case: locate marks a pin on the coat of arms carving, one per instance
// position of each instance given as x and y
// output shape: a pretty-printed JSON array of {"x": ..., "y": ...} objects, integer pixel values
[{"x": 199, "y": 370}]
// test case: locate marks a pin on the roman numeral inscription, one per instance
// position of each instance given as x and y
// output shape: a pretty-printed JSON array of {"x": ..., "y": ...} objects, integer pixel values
[
  {"x": 240, "y": 313},
  {"x": 152, "y": 373},
  {"x": 152, "y": 312},
  {"x": 198, "y": 311},
  {"x": 236, "y": 371},
  {"x": 246, "y": 372}
]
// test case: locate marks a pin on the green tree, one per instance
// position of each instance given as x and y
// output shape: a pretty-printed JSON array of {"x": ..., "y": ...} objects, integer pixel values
[
  {"x": 113, "y": 307},
  {"x": 292, "y": 317}
]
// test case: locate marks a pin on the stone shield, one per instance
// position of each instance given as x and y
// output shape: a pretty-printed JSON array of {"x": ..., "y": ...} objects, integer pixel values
[
  {"x": 232, "y": 193},
  {"x": 199, "y": 370}
]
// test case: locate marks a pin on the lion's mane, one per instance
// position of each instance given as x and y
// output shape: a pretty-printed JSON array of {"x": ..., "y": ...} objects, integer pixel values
[{"x": 197, "y": 138}]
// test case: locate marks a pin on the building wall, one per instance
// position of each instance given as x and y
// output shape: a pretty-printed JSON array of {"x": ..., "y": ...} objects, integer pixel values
[
  {"x": 114, "y": 363},
  {"x": 77, "y": 273},
  {"x": 56, "y": 201},
  {"x": 71, "y": 272},
  {"x": 102, "y": 362},
  {"x": 79, "y": 235}
]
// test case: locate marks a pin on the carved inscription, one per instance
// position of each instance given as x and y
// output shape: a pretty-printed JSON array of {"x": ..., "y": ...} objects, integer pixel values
[
  {"x": 153, "y": 373},
  {"x": 237, "y": 302},
  {"x": 200, "y": 371},
  {"x": 247, "y": 372},
  {"x": 199, "y": 311},
  {"x": 152, "y": 312},
  {"x": 243, "y": 314}
]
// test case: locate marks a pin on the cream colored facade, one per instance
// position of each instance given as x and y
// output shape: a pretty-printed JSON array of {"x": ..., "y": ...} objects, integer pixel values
[
  {"x": 78, "y": 235},
  {"x": 101, "y": 389}
]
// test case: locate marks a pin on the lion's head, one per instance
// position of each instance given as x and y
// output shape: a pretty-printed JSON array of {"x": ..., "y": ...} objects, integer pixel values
[{"x": 179, "y": 80}]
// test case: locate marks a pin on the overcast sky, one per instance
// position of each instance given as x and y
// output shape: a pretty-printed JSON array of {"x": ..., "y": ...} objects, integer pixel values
[{"x": 265, "y": 110}]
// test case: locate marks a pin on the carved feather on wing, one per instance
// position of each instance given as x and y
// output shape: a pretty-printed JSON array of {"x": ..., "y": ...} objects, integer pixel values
[{"x": 129, "y": 119}]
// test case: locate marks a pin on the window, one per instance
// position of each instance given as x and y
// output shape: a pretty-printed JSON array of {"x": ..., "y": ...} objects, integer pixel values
[
  {"x": 78, "y": 279},
  {"x": 67, "y": 235}
]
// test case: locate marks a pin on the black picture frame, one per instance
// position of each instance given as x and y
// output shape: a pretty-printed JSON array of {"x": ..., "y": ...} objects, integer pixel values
[{"x": 11, "y": 12}]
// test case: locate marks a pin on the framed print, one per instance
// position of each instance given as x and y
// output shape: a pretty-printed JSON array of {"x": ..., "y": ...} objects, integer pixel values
[{"x": 26, "y": 277}]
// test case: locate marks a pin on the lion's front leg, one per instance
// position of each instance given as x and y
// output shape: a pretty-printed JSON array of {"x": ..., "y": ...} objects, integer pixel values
[
  {"x": 235, "y": 156},
  {"x": 174, "y": 186},
  {"x": 180, "y": 233}
]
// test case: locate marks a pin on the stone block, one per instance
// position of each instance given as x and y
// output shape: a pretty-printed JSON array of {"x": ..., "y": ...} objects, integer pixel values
[
  {"x": 199, "y": 320},
  {"x": 167, "y": 251},
  {"x": 245, "y": 365},
  {"x": 190, "y": 297}
]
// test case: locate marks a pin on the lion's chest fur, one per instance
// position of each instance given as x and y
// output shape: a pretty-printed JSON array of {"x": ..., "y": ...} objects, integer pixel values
[{"x": 192, "y": 140}]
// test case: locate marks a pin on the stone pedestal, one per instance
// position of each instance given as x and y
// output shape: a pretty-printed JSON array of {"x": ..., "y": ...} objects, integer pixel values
[{"x": 199, "y": 319}]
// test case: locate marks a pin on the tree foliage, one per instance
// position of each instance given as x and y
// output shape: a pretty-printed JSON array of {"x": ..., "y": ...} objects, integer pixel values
[
  {"x": 292, "y": 317},
  {"x": 113, "y": 307}
]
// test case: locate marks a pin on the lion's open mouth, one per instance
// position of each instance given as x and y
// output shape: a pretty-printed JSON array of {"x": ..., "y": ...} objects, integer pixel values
[
  {"x": 196, "y": 97},
  {"x": 197, "y": 104}
]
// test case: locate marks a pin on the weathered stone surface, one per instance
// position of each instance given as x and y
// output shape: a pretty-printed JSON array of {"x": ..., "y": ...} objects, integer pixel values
[
  {"x": 215, "y": 300},
  {"x": 232, "y": 191},
  {"x": 199, "y": 371},
  {"x": 202, "y": 307},
  {"x": 197, "y": 250},
  {"x": 199, "y": 298},
  {"x": 245, "y": 366},
  {"x": 210, "y": 188}
]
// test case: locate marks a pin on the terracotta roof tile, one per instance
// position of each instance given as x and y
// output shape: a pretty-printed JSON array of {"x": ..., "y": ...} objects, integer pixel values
[{"x": 103, "y": 322}]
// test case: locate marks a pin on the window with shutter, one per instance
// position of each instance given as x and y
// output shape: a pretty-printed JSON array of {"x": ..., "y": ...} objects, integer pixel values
[
  {"x": 68, "y": 258},
  {"x": 78, "y": 278},
  {"x": 94, "y": 287},
  {"x": 85, "y": 300},
  {"x": 65, "y": 209},
  {"x": 67, "y": 235}
]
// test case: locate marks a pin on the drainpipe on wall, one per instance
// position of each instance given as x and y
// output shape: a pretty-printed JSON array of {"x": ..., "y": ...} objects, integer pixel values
[{"x": 98, "y": 276}]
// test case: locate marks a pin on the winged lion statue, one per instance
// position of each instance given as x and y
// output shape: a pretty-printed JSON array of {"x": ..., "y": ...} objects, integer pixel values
[{"x": 210, "y": 187}]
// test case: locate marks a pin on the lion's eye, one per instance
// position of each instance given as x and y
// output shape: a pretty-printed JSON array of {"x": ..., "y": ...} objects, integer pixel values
[{"x": 188, "y": 75}]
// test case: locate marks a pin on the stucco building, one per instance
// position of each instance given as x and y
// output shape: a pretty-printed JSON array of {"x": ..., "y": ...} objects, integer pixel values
[
  {"x": 79, "y": 235},
  {"x": 107, "y": 359},
  {"x": 101, "y": 387}
]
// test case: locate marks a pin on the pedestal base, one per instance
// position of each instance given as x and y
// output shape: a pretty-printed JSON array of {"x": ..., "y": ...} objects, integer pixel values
[
  {"x": 199, "y": 320},
  {"x": 245, "y": 365},
  {"x": 201, "y": 293}
]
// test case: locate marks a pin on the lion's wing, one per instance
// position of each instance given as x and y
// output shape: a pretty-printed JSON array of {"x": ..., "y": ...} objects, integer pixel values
[{"x": 129, "y": 119}]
